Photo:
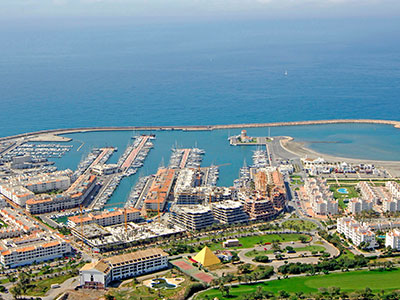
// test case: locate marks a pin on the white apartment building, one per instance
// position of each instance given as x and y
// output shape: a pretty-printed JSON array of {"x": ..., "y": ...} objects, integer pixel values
[
  {"x": 17, "y": 223},
  {"x": 394, "y": 188},
  {"x": 356, "y": 232},
  {"x": 106, "y": 218},
  {"x": 36, "y": 247},
  {"x": 321, "y": 198},
  {"x": 393, "y": 239},
  {"x": 369, "y": 193},
  {"x": 99, "y": 274},
  {"x": 357, "y": 205},
  {"x": 18, "y": 194},
  {"x": 229, "y": 212}
]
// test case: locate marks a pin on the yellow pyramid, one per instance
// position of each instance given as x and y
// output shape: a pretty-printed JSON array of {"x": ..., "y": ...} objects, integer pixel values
[{"x": 206, "y": 257}]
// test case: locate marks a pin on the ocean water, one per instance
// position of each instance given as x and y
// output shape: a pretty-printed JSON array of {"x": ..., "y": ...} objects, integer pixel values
[
  {"x": 380, "y": 142},
  {"x": 57, "y": 74}
]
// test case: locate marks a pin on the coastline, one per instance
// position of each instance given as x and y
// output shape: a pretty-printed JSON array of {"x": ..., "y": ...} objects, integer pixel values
[
  {"x": 301, "y": 149},
  {"x": 56, "y": 132}
]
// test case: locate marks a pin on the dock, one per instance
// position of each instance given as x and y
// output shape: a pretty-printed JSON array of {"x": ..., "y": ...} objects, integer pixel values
[
  {"x": 131, "y": 157},
  {"x": 184, "y": 158}
]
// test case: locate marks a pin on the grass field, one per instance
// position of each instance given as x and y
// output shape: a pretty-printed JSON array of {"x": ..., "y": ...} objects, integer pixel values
[
  {"x": 350, "y": 281},
  {"x": 251, "y": 241},
  {"x": 254, "y": 253},
  {"x": 352, "y": 193},
  {"x": 300, "y": 224}
]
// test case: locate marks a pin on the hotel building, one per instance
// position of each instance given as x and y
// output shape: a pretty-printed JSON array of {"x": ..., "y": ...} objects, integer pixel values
[{"x": 99, "y": 274}]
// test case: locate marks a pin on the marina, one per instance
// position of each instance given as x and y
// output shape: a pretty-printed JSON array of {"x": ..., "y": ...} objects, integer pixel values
[{"x": 38, "y": 151}]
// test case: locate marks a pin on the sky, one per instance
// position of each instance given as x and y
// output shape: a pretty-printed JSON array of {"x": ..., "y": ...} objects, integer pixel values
[{"x": 181, "y": 9}]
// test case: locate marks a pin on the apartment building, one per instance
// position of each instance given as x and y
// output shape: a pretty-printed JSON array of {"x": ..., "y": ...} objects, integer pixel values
[
  {"x": 160, "y": 189},
  {"x": 70, "y": 199},
  {"x": 106, "y": 218},
  {"x": 229, "y": 212},
  {"x": 321, "y": 198},
  {"x": 357, "y": 205},
  {"x": 393, "y": 239},
  {"x": 356, "y": 232},
  {"x": 192, "y": 217},
  {"x": 37, "y": 247},
  {"x": 17, "y": 224}
]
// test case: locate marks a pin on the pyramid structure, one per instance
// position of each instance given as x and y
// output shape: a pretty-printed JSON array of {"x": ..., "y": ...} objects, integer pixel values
[{"x": 206, "y": 257}]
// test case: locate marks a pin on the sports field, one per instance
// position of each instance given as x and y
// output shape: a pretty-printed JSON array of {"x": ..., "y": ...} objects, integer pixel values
[{"x": 349, "y": 281}]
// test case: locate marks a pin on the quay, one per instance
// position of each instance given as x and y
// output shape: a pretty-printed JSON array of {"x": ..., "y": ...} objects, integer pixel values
[
  {"x": 184, "y": 158},
  {"x": 135, "y": 151}
]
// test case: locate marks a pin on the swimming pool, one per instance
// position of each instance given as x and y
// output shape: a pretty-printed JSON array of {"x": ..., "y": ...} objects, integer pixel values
[{"x": 343, "y": 190}]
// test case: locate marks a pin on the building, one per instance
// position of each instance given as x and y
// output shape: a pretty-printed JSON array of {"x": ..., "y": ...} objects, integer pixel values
[
  {"x": 193, "y": 217},
  {"x": 231, "y": 243},
  {"x": 18, "y": 194},
  {"x": 206, "y": 257},
  {"x": 99, "y": 274},
  {"x": 369, "y": 193},
  {"x": 393, "y": 239},
  {"x": 104, "y": 169},
  {"x": 69, "y": 199},
  {"x": 229, "y": 212},
  {"x": 160, "y": 189},
  {"x": 394, "y": 188},
  {"x": 106, "y": 218},
  {"x": 36, "y": 247},
  {"x": 321, "y": 198},
  {"x": 356, "y": 232},
  {"x": 258, "y": 207},
  {"x": 17, "y": 224},
  {"x": 357, "y": 205}
]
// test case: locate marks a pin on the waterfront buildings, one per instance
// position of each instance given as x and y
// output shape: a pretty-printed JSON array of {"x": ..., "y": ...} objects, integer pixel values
[
  {"x": 160, "y": 189},
  {"x": 356, "y": 232},
  {"x": 36, "y": 247},
  {"x": 106, "y": 218},
  {"x": 73, "y": 197},
  {"x": 99, "y": 274}
]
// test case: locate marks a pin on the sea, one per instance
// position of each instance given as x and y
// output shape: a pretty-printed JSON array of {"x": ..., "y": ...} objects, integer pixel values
[{"x": 119, "y": 72}]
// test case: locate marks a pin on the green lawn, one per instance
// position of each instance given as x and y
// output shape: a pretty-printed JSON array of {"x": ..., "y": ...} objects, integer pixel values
[
  {"x": 352, "y": 193},
  {"x": 300, "y": 224},
  {"x": 251, "y": 241},
  {"x": 350, "y": 281},
  {"x": 254, "y": 253}
]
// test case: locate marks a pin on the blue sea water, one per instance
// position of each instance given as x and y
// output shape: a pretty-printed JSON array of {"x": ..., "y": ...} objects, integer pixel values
[{"x": 57, "y": 73}]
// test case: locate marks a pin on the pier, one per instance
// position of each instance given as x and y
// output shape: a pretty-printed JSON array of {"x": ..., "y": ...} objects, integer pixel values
[
  {"x": 103, "y": 153},
  {"x": 131, "y": 157},
  {"x": 184, "y": 158}
]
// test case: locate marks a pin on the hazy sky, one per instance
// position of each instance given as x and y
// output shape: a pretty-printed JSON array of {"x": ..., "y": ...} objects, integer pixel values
[{"x": 198, "y": 8}]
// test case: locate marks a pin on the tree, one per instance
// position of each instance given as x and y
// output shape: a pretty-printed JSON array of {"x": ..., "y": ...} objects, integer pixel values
[
  {"x": 303, "y": 239},
  {"x": 16, "y": 291}
]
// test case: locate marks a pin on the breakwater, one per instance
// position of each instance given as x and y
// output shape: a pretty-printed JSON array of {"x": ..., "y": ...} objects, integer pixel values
[{"x": 394, "y": 123}]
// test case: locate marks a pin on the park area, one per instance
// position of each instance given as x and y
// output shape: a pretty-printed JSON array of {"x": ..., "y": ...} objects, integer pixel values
[
  {"x": 340, "y": 195},
  {"x": 348, "y": 282},
  {"x": 251, "y": 241}
]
